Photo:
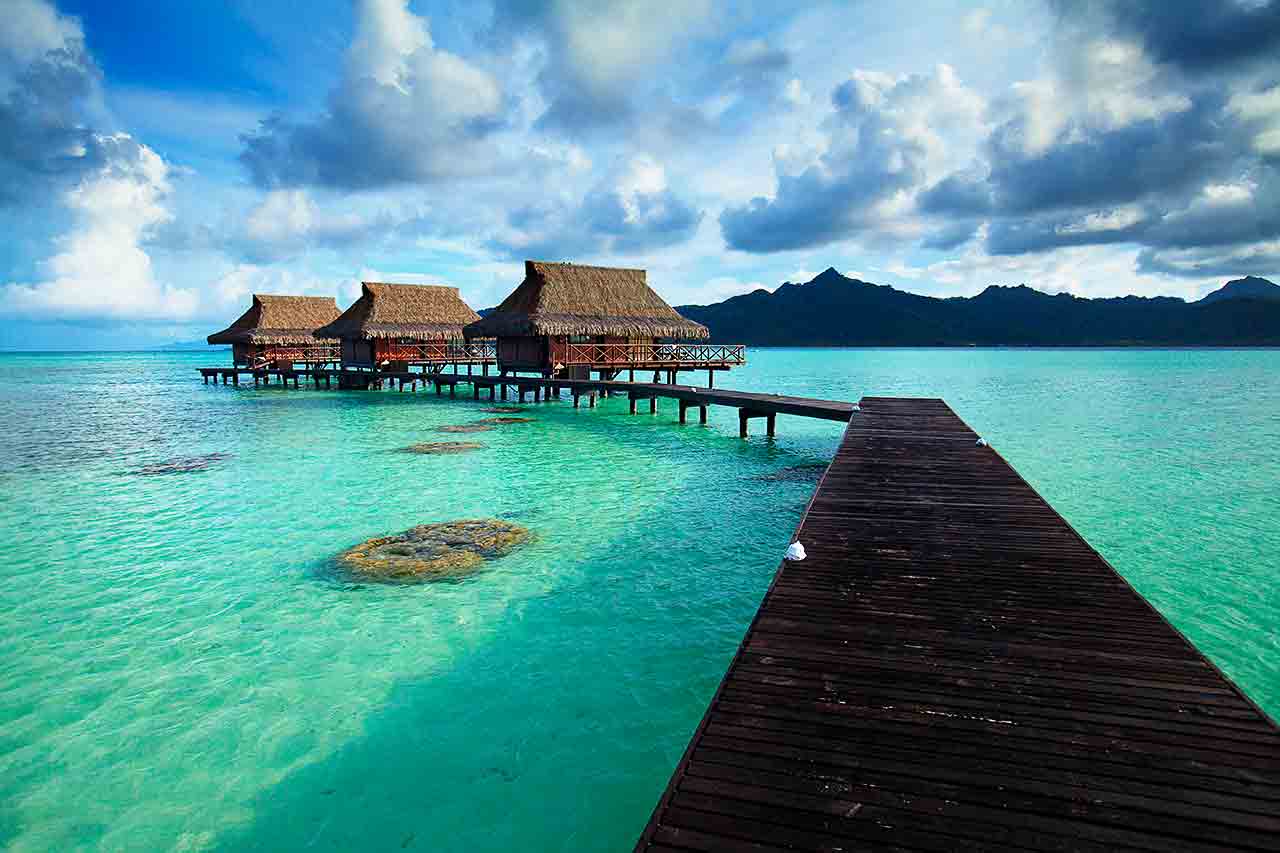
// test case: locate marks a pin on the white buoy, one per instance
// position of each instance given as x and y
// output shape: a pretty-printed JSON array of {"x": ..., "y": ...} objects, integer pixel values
[
  {"x": 795, "y": 551},
  {"x": 982, "y": 442}
]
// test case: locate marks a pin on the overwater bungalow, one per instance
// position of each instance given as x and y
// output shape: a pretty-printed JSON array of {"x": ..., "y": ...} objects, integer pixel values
[
  {"x": 393, "y": 326},
  {"x": 279, "y": 331},
  {"x": 567, "y": 320}
]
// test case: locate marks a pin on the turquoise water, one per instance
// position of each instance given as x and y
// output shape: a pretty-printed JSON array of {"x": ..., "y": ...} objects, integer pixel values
[{"x": 182, "y": 669}]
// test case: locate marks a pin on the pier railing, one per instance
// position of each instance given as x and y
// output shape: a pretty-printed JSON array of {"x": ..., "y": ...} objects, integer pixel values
[
  {"x": 648, "y": 354},
  {"x": 441, "y": 352},
  {"x": 301, "y": 354}
]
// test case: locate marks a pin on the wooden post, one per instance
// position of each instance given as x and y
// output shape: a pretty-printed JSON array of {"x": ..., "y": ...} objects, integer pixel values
[
  {"x": 653, "y": 405},
  {"x": 769, "y": 422},
  {"x": 504, "y": 391},
  {"x": 439, "y": 388},
  {"x": 684, "y": 407},
  {"x": 255, "y": 380},
  {"x": 702, "y": 414},
  {"x": 235, "y": 378},
  {"x": 742, "y": 423},
  {"x": 633, "y": 404},
  {"x": 453, "y": 389},
  {"x": 711, "y": 378},
  {"x": 632, "y": 374},
  {"x": 475, "y": 391},
  {"x": 591, "y": 400}
]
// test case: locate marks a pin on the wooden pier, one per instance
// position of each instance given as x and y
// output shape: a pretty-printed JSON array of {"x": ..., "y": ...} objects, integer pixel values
[
  {"x": 953, "y": 667},
  {"x": 750, "y": 405},
  {"x": 263, "y": 375}
]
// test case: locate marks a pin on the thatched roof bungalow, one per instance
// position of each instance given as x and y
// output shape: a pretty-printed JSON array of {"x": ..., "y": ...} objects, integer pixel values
[
  {"x": 413, "y": 323},
  {"x": 565, "y": 316},
  {"x": 280, "y": 328}
]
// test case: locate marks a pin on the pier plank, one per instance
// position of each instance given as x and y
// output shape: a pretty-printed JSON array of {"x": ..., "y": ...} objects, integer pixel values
[{"x": 954, "y": 667}]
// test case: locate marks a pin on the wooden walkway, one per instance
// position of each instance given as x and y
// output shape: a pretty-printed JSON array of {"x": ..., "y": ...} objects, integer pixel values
[
  {"x": 749, "y": 404},
  {"x": 954, "y": 668}
]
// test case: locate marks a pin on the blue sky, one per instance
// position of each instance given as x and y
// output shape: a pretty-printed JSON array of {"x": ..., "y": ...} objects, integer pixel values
[{"x": 160, "y": 162}]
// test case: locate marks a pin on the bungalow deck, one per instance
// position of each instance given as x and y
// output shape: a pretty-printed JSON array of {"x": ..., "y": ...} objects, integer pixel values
[{"x": 954, "y": 667}]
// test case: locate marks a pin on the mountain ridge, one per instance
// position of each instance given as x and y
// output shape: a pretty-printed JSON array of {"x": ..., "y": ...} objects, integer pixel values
[{"x": 834, "y": 310}]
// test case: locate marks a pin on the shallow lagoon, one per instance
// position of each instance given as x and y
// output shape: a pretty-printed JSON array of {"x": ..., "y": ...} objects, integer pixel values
[{"x": 182, "y": 667}]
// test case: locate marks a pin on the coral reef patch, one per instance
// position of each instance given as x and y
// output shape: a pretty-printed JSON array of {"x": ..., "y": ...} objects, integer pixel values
[
  {"x": 434, "y": 551},
  {"x": 442, "y": 448},
  {"x": 183, "y": 464}
]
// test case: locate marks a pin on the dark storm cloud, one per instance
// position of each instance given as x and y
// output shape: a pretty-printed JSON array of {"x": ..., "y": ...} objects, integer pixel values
[
  {"x": 1194, "y": 34},
  {"x": 1193, "y": 177},
  {"x": 811, "y": 209},
  {"x": 1252, "y": 260},
  {"x": 43, "y": 139},
  {"x": 1019, "y": 236},
  {"x": 957, "y": 194},
  {"x": 1115, "y": 166},
  {"x": 950, "y": 237}
]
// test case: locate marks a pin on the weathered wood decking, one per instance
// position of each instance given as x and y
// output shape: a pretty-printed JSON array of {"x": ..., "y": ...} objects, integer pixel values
[{"x": 953, "y": 667}]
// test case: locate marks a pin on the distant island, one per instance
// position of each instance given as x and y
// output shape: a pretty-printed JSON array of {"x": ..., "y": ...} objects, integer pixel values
[{"x": 834, "y": 310}]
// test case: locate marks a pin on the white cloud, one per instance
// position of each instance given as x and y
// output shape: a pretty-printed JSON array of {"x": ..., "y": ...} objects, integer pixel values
[
  {"x": 102, "y": 270},
  {"x": 402, "y": 113},
  {"x": 28, "y": 30},
  {"x": 796, "y": 93},
  {"x": 1116, "y": 219},
  {"x": 725, "y": 286},
  {"x": 1089, "y": 271},
  {"x": 1261, "y": 110},
  {"x": 888, "y": 138},
  {"x": 288, "y": 221}
]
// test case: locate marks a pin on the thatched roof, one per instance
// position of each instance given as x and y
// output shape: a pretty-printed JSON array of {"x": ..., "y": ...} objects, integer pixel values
[
  {"x": 572, "y": 299},
  {"x": 279, "y": 320},
  {"x": 425, "y": 312}
]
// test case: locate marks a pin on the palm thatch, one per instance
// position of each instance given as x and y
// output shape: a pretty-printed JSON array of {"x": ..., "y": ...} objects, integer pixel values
[
  {"x": 286, "y": 320},
  {"x": 416, "y": 312},
  {"x": 572, "y": 299}
]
